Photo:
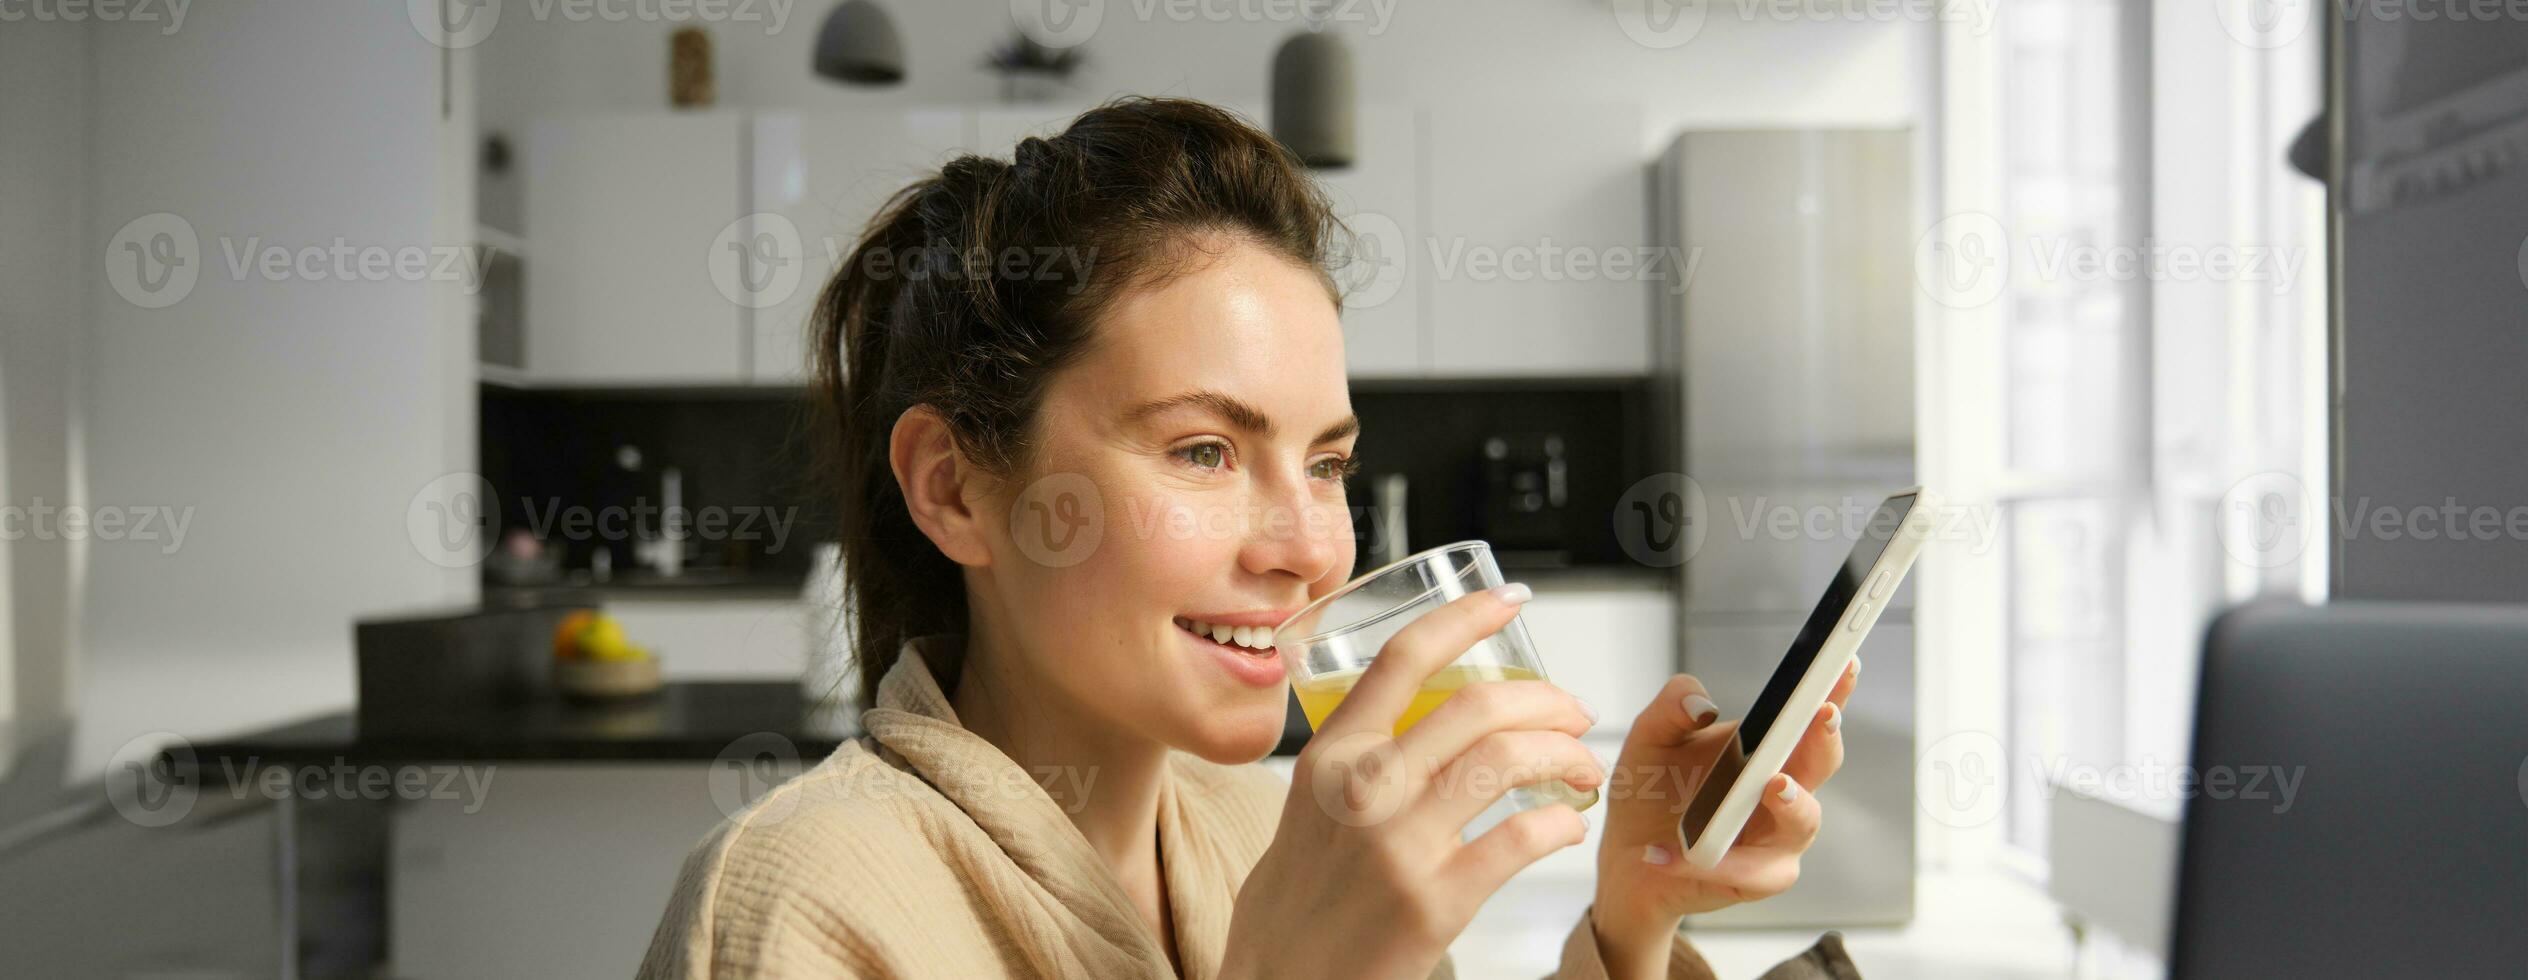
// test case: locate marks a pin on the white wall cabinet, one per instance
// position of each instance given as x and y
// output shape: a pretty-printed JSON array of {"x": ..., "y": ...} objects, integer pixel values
[
  {"x": 1528, "y": 204},
  {"x": 1381, "y": 272},
  {"x": 1484, "y": 241},
  {"x": 827, "y": 174},
  {"x": 626, "y": 210}
]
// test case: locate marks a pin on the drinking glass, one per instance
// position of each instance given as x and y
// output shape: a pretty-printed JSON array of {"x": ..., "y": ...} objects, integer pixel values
[{"x": 1332, "y": 642}]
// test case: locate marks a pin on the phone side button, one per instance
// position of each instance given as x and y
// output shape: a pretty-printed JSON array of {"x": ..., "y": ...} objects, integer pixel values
[
  {"x": 1860, "y": 618},
  {"x": 1880, "y": 583}
]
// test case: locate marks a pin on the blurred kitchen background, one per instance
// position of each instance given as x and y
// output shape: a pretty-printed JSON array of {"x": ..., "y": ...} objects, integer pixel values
[{"x": 1633, "y": 283}]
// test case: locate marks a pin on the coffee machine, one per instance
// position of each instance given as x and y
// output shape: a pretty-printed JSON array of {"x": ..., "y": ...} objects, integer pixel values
[{"x": 1526, "y": 491}]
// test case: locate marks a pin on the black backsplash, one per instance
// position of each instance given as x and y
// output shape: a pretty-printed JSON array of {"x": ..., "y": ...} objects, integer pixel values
[
  {"x": 1433, "y": 432},
  {"x": 745, "y": 449},
  {"x": 741, "y": 452}
]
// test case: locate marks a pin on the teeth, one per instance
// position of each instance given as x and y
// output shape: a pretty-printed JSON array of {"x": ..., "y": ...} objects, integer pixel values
[{"x": 1259, "y": 638}]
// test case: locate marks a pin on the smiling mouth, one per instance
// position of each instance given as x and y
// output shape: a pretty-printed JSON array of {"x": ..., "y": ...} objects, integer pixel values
[{"x": 1254, "y": 641}]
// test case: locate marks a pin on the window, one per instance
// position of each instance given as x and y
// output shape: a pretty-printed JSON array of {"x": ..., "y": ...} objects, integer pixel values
[{"x": 2157, "y": 340}]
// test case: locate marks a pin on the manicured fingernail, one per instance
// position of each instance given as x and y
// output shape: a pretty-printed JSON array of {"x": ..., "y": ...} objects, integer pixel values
[
  {"x": 1513, "y": 593},
  {"x": 1656, "y": 854},
  {"x": 1701, "y": 709},
  {"x": 1834, "y": 717},
  {"x": 1587, "y": 710},
  {"x": 1856, "y": 665},
  {"x": 1790, "y": 790}
]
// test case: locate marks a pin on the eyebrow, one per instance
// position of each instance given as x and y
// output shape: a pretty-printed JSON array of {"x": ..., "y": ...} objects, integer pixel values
[{"x": 1240, "y": 414}]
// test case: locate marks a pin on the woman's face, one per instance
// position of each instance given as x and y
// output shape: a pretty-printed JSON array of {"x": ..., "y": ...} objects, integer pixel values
[{"x": 1189, "y": 471}]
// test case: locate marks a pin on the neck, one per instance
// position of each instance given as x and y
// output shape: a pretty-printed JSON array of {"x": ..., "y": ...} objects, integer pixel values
[{"x": 1106, "y": 780}]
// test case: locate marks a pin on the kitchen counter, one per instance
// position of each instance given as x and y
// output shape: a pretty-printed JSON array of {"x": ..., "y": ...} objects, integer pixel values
[{"x": 687, "y": 721}]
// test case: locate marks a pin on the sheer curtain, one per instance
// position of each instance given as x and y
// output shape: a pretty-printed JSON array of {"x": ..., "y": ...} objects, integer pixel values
[{"x": 2125, "y": 357}]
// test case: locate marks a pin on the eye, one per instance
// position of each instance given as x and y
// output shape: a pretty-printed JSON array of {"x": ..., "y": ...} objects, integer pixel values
[
  {"x": 1209, "y": 455},
  {"x": 1335, "y": 467}
]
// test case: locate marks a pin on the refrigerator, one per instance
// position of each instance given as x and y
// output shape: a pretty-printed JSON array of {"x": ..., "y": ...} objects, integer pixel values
[{"x": 1784, "y": 375}]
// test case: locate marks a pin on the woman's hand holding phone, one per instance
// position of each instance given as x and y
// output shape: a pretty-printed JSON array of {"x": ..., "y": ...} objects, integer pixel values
[
  {"x": 1367, "y": 875},
  {"x": 1644, "y": 884}
]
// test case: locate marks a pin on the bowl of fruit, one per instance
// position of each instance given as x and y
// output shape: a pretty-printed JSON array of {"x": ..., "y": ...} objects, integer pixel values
[{"x": 594, "y": 661}]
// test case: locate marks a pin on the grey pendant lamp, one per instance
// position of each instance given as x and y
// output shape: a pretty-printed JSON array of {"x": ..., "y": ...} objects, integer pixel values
[
  {"x": 1313, "y": 95},
  {"x": 858, "y": 45}
]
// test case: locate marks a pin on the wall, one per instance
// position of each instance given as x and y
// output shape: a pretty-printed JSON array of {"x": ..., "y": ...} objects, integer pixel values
[
  {"x": 1735, "y": 71},
  {"x": 43, "y": 152},
  {"x": 293, "y": 420}
]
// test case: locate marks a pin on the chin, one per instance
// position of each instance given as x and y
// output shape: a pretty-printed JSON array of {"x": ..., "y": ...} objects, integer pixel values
[{"x": 1237, "y": 737}]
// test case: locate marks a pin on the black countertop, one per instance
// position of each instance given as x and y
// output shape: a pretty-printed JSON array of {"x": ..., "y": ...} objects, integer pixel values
[{"x": 685, "y": 721}]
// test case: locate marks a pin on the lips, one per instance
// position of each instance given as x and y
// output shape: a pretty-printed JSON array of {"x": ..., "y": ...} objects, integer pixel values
[{"x": 1258, "y": 668}]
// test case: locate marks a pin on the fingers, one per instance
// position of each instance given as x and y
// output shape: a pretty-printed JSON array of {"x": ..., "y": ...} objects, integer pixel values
[
  {"x": 1488, "y": 862},
  {"x": 1796, "y": 815},
  {"x": 1481, "y": 709},
  {"x": 1765, "y": 862},
  {"x": 1844, "y": 686},
  {"x": 1500, "y": 762},
  {"x": 1681, "y": 709},
  {"x": 1819, "y": 753},
  {"x": 1417, "y": 651}
]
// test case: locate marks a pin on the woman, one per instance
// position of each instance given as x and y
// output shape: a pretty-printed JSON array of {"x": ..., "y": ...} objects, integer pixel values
[{"x": 1082, "y": 402}]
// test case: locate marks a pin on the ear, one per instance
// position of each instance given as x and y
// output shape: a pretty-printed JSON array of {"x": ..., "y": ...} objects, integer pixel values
[{"x": 941, "y": 488}]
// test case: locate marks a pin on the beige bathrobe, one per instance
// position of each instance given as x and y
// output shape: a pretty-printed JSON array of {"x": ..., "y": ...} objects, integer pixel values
[{"x": 920, "y": 850}]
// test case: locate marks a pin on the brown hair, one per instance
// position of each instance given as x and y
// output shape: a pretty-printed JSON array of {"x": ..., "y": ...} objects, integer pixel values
[{"x": 973, "y": 286}]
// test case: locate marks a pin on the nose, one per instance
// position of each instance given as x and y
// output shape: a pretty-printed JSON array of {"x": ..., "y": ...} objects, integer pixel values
[{"x": 1296, "y": 533}]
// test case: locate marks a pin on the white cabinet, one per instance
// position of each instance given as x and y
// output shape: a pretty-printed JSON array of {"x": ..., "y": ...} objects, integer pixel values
[
  {"x": 626, "y": 210},
  {"x": 826, "y": 174},
  {"x": 997, "y": 130},
  {"x": 1483, "y": 241},
  {"x": 1380, "y": 266},
  {"x": 1539, "y": 234}
]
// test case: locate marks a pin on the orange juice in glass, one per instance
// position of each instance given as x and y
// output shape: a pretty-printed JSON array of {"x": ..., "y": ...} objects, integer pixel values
[{"x": 1332, "y": 642}]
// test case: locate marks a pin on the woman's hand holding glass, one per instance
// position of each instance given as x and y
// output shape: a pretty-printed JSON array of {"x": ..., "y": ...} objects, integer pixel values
[{"x": 1368, "y": 874}]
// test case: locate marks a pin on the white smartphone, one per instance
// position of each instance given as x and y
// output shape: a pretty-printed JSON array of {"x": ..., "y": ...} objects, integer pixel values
[{"x": 1816, "y": 661}]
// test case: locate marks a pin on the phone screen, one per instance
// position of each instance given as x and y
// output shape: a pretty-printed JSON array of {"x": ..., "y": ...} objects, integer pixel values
[{"x": 1795, "y": 664}]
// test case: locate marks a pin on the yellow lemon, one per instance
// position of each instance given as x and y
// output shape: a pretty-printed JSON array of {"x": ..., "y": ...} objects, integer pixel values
[{"x": 604, "y": 640}]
